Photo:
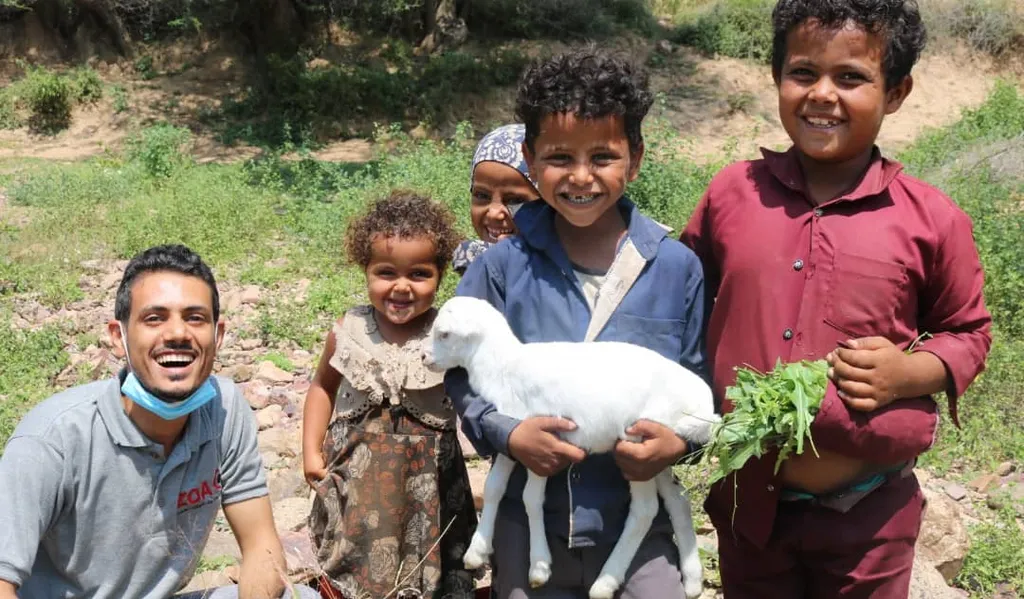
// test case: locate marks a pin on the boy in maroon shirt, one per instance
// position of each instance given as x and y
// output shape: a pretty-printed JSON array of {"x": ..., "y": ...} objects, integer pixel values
[{"x": 829, "y": 251}]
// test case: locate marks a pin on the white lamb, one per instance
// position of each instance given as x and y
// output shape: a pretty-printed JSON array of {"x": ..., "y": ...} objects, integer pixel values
[{"x": 604, "y": 387}]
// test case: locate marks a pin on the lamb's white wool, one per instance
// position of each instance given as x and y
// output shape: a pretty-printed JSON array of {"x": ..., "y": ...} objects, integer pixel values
[{"x": 604, "y": 387}]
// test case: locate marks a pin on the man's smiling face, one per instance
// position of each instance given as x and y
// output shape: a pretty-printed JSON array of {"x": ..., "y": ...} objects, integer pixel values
[{"x": 172, "y": 338}]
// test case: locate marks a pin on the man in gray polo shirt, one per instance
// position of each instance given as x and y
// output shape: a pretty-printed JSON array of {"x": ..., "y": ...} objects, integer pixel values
[{"x": 110, "y": 490}]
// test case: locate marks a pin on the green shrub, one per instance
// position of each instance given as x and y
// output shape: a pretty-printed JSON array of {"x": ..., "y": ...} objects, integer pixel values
[
  {"x": 161, "y": 149},
  {"x": 1000, "y": 117},
  {"x": 120, "y": 97},
  {"x": 294, "y": 101},
  {"x": 559, "y": 19},
  {"x": 990, "y": 26},
  {"x": 88, "y": 89},
  {"x": 8, "y": 111},
  {"x": 49, "y": 96},
  {"x": 736, "y": 28}
]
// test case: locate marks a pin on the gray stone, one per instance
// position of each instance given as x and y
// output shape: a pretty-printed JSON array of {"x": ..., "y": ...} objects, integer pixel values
[
  {"x": 1005, "y": 469},
  {"x": 943, "y": 540},
  {"x": 927, "y": 583},
  {"x": 268, "y": 371},
  {"x": 290, "y": 513},
  {"x": 955, "y": 492},
  {"x": 269, "y": 416}
]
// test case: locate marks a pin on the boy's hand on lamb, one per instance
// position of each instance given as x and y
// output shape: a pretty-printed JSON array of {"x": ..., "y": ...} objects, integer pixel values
[
  {"x": 869, "y": 373},
  {"x": 534, "y": 443},
  {"x": 659, "y": 447}
]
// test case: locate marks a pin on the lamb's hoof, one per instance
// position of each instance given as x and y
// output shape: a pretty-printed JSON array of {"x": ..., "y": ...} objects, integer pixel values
[
  {"x": 477, "y": 554},
  {"x": 693, "y": 588},
  {"x": 604, "y": 587},
  {"x": 540, "y": 572}
]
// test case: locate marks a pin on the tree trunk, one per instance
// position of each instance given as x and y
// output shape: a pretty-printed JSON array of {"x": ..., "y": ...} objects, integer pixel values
[
  {"x": 445, "y": 28},
  {"x": 105, "y": 16}
]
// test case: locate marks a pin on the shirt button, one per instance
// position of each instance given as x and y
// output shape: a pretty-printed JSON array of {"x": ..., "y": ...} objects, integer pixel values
[
  {"x": 575, "y": 476},
  {"x": 787, "y": 334},
  {"x": 818, "y": 212},
  {"x": 798, "y": 265}
]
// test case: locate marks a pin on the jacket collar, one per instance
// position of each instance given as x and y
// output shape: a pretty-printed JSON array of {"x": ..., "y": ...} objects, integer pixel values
[{"x": 536, "y": 223}]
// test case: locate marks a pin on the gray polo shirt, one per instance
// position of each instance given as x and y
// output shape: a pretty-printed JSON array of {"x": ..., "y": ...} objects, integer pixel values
[{"x": 89, "y": 507}]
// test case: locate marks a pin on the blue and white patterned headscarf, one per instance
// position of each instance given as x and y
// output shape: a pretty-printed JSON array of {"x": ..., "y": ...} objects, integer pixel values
[{"x": 504, "y": 145}]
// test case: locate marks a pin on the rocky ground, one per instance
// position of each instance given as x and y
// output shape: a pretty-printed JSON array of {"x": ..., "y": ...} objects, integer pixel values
[{"x": 275, "y": 388}]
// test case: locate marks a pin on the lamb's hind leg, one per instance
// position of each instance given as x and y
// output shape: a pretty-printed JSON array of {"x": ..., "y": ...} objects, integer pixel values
[
  {"x": 643, "y": 507},
  {"x": 540, "y": 553},
  {"x": 482, "y": 545},
  {"x": 678, "y": 507}
]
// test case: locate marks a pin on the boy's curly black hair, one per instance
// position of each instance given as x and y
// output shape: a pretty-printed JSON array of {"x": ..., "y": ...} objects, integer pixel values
[
  {"x": 406, "y": 215},
  {"x": 587, "y": 83},
  {"x": 898, "y": 22}
]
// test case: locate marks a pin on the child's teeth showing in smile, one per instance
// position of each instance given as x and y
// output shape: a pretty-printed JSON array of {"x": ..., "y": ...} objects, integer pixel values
[
  {"x": 821, "y": 123},
  {"x": 579, "y": 200}
]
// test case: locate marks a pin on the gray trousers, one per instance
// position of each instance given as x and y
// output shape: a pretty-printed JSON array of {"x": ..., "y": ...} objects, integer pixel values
[
  {"x": 654, "y": 573},
  {"x": 231, "y": 592}
]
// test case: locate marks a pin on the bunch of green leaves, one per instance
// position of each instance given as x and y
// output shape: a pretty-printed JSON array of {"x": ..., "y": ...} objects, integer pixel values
[{"x": 771, "y": 410}]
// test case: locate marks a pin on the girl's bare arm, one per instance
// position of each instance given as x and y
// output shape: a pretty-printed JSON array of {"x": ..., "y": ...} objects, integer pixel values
[{"x": 318, "y": 410}]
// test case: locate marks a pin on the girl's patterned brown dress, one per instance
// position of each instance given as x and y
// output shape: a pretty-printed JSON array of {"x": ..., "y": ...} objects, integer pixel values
[{"x": 395, "y": 514}]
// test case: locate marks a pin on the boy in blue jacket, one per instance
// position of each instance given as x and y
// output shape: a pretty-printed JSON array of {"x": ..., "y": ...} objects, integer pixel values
[{"x": 587, "y": 265}]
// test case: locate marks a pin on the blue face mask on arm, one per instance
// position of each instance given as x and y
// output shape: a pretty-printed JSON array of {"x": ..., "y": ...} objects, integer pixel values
[{"x": 133, "y": 390}]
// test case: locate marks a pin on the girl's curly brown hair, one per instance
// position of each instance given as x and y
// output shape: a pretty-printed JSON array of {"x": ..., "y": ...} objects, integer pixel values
[{"x": 406, "y": 215}]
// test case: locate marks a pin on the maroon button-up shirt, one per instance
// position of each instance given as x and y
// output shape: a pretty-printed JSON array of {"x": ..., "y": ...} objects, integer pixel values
[{"x": 892, "y": 258}]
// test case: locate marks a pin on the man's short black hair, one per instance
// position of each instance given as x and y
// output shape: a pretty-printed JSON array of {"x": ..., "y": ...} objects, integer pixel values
[
  {"x": 897, "y": 22},
  {"x": 170, "y": 258},
  {"x": 589, "y": 84}
]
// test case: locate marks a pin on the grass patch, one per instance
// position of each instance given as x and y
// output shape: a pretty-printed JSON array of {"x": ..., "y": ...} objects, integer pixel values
[
  {"x": 735, "y": 28},
  {"x": 31, "y": 361},
  {"x": 280, "y": 360},
  {"x": 996, "y": 557},
  {"x": 560, "y": 19},
  {"x": 214, "y": 564},
  {"x": 994, "y": 27},
  {"x": 295, "y": 102}
]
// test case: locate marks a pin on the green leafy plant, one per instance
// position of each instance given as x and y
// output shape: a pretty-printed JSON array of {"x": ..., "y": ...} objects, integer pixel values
[
  {"x": 160, "y": 149},
  {"x": 49, "y": 96},
  {"x": 736, "y": 28},
  {"x": 120, "y": 97},
  {"x": 771, "y": 410},
  {"x": 87, "y": 86}
]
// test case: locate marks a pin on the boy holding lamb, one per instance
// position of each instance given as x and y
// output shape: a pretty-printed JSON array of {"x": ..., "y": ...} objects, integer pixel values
[
  {"x": 586, "y": 265},
  {"x": 829, "y": 250}
]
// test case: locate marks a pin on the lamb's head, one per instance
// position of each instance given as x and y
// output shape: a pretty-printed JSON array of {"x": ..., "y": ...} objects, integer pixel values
[{"x": 458, "y": 331}]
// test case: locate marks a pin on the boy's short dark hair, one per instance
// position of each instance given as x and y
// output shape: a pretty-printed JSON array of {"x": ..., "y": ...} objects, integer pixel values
[
  {"x": 170, "y": 258},
  {"x": 404, "y": 214},
  {"x": 589, "y": 84},
  {"x": 898, "y": 22}
]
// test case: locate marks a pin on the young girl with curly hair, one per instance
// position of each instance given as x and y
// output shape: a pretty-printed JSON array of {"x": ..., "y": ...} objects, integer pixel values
[{"x": 393, "y": 511}]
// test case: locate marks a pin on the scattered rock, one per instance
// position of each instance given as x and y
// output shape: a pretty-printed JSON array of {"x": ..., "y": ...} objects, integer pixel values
[
  {"x": 984, "y": 483},
  {"x": 250, "y": 344},
  {"x": 927, "y": 583},
  {"x": 229, "y": 301},
  {"x": 287, "y": 482},
  {"x": 290, "y": 514},
  {"x": 250, "y": 295},
  {"x": 665, "y": 47},
  {"x": 943, "y": 541},
  {"x": 955, "y": 491},
  {"x": 298, "y": 554},
  {"x": 420, "y": 131},
  {"x": 111, "y": 281},
  {"x": 267, "y": 371},
  {"x": 269, "y": 416},
  {"x": 210, "y": 579},
  {"x": 257, "y": 395},
  {"x": 301, "y": 358},
  {"x": 284, "y": 441},
  {"x": 1005, "y": 469},
  {"x": 240, "y": 373}
]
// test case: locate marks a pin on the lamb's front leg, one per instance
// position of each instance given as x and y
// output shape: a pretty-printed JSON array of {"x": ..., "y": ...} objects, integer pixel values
[
  {"x": 540, "y": 553},
  {"x": 482, "y": 545},
  {"x": 678, "y": 507},
  {"x": 643, "y": 507}
]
